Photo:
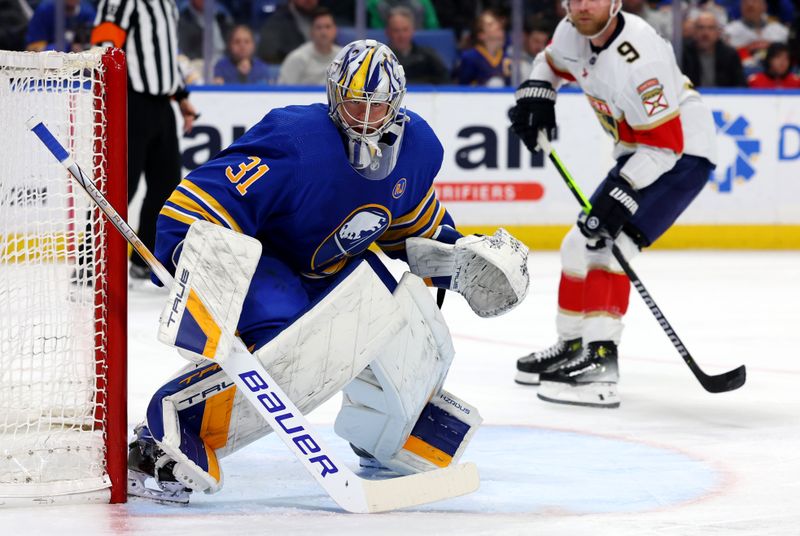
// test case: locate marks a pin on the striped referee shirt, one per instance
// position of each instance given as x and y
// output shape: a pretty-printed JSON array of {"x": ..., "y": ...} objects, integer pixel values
[{"x": 148, "y": 32}]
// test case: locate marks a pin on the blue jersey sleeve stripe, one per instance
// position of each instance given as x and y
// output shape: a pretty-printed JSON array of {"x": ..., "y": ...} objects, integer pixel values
[
  {"x": 425, "y": 232},
  {"x": 190, "y": 213},
  {"x": 170, "y": 212},
  {"x": 414, "y": 214},
  {"x": 437, "y": 220},
  {"x": 202, "y": 206},
  {"x": 426, "y": 209},
  {"x": 211, "y": 203},
  {"x": 422, "y": 222},
  {"x": 189, "y": 204}
]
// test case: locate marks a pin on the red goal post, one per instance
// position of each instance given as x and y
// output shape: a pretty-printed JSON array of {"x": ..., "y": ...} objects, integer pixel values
[{"x": 63, "y": 281}]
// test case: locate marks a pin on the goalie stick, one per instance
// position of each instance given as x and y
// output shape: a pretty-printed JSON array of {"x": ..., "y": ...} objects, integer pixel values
[
  {"x": 719, "y": 383},
  {"x": 351, "y": 492}
]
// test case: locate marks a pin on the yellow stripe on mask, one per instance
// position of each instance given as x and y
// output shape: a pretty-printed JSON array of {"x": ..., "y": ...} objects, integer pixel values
[{"x": 356, "y": 86}]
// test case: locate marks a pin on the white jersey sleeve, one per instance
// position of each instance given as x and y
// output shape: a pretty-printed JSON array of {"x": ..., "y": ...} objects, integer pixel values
[{"x": 639, "y": 95}]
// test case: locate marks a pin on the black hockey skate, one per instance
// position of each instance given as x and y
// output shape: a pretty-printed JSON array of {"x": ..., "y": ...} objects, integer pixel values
[
  {"x": 530, "y": 367},
  {"x": 150, "y": 472},
  {"x": 590, "y": 380}
]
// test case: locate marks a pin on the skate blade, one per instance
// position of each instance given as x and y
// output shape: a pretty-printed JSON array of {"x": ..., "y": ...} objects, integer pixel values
[
  {"x": 527, "y": 378},
  {"x": 595, "y": 395},
  {"x": 145, "y": 487}
]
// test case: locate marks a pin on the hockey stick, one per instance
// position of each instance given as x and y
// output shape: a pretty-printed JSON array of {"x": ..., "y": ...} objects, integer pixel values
[
  {"x": 719, "y": 383},
  {"x": 348, "y": 490}
]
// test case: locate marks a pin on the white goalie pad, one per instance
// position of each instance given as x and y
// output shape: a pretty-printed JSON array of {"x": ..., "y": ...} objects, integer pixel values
[
  {"x": 330, "y": 344},
  {"x": 382, "y": 405},
  {"x": 211, "y": 281},
  {"x": 491, "y": 272},
  {"x": 311, "y": 360}
]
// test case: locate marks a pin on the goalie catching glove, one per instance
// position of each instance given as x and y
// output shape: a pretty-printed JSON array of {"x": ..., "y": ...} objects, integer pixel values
[{"x": 491, "y": 272}]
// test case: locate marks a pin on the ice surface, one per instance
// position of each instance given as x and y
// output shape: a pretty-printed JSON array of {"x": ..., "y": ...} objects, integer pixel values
[{"x": 672, "y": 460}]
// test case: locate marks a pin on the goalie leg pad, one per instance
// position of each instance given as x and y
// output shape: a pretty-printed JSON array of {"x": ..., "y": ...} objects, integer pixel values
[
  {"x": 441, "y": 434},
  {"x": 381, "y": 407},
  {"x": 199, "y": 416}
]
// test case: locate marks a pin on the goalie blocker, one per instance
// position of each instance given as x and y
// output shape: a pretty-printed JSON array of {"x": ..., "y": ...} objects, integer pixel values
[{"x": 199, "y": 417}]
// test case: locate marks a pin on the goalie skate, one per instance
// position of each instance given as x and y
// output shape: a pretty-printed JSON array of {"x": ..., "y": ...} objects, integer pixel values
[
  {"x": 590, "y": 380},
  {"x": 150, "y": 472}
]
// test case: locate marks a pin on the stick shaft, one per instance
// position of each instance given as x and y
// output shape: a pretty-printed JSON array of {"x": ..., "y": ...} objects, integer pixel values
[{"x": 61, "y": 154}]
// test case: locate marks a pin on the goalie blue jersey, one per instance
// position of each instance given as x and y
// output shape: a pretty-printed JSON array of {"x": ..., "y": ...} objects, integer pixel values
[{"x": 287, "y": 182}]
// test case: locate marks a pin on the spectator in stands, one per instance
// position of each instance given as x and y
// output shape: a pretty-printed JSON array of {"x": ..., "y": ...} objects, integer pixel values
[
  {"x": 458, "y": 15},
  {"x": 698, "y": 6},
  {"x": 343, "y": 11},
  {"x": 487, "y": 62},
  {"x": 537, "y": 35},
  {"x": 659, "y": 19},
  {"x": 424, "y": 14},
  {"x": 14, "y": 17},
  {"x": 709, "y": 62},
  {"x": 752, "y": 34},
  {"x": 421, "y": 64},
  {"x": 191, "y": 27},
  {"x": 783, "y": 10},
  {"x": 240, "y": 10},
  {"x": 777, "y": 70},
  {"x": 239, "y": 66},
  {"x": 308, "y": 63},
  {"x": 285, "y": 30},
  {"x": 77, "y": 28}
]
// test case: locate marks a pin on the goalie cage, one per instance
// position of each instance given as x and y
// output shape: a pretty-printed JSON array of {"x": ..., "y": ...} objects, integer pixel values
[{"x": 63, "y": 282}]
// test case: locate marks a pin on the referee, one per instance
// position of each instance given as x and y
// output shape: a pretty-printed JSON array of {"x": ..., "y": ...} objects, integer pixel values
[{"x": 148, "y": 32}]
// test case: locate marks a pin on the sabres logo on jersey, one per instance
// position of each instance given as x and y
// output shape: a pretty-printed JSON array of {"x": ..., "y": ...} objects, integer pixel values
[
  {"x": 353, "y": 236},
  {"x": 399, "y": 188}
]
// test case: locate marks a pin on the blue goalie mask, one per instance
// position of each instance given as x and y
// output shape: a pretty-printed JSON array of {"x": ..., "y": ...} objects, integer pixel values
[{"x": 366, "y": 86}]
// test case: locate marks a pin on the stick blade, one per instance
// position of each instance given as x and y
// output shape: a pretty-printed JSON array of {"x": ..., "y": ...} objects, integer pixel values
[
  {"x": 420, "y": 488},
  {"x": 728, "y": 381}
]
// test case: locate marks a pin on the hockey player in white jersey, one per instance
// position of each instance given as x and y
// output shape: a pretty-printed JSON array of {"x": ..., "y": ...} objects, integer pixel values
[{"x": 664, "y": 145}]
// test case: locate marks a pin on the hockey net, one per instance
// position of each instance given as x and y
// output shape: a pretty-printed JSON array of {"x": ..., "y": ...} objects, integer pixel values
[{"x": 62, "y": 281}]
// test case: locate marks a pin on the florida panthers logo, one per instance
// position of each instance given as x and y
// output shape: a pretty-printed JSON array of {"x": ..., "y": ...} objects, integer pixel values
[{"x": 354, "y": 235}]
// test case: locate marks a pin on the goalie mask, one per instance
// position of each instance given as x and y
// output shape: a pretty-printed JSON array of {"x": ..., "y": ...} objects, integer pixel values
[{"x": 366, "y": 85}]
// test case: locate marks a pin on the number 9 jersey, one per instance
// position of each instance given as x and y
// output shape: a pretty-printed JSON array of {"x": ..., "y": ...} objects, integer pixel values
[{"x": 640, "y": 96}]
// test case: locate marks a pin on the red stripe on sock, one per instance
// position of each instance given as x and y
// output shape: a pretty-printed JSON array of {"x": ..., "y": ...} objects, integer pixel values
[
  {"x": 606, "y": 292},
  {"x": 570, "y": 293}
]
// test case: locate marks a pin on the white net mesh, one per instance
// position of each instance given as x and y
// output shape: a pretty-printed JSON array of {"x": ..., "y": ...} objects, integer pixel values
[{"x": 52, "y": 265}]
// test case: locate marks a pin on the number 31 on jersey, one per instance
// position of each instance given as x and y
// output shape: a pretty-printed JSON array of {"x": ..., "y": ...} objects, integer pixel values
[{"x": 243, "y": 178}]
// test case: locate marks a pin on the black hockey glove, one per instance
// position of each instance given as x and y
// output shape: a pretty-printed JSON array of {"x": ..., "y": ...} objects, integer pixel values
[
  {"x": 535, "y": 110},
  {"x": 615, "y": 203}
]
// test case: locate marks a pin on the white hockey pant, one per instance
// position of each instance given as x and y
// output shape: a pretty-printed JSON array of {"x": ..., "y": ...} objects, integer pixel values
[{"x": 576, "y": 261}]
